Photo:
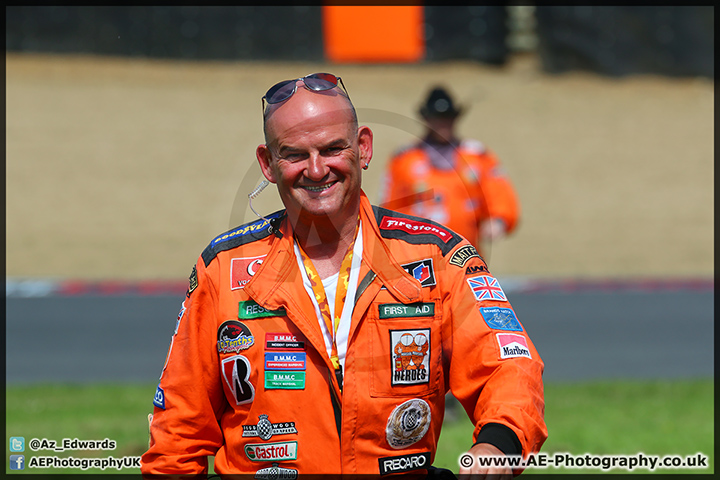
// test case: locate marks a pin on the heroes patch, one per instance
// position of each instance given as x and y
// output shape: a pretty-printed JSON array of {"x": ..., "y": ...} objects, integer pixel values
[
  {"x": 233, "y": 336},
  {"x": 410, "y": 356},
  {"x": 500, "y": 318}
]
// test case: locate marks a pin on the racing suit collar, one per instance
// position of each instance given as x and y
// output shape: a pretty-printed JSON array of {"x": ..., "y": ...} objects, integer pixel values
[{"x": 280, "y": 267}]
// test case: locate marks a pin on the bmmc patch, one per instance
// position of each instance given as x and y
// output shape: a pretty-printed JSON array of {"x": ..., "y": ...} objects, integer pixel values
[
  {"x": 512, "y": 345},
  {"x": 422, "y": 271},
  {"x": 410, "y": 356},
  {"x": 500, "y": 318}
]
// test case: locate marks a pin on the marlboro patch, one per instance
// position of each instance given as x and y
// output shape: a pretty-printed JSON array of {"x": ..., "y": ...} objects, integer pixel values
[
  {"x": 410, "y": 356},
  {"x": 512, "y": 345}
]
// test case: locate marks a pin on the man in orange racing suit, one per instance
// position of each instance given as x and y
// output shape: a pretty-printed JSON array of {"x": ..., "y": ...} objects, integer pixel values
[
  {"x": 283, "y": 360},
  {"x": 458, "y": 183}
]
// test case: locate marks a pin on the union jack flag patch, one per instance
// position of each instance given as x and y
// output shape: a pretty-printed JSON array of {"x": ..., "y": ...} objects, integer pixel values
[{"x": 486, "y": 287}]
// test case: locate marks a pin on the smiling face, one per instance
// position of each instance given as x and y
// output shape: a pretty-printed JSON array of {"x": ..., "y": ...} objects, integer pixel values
[{"x": 315, "y": 154}]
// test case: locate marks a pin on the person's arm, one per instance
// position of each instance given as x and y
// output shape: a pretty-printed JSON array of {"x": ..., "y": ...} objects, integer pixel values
[
  {"x": 501, "y": 202},
  {"x": 494, "y": 370},
  {"x": 184, "y": 429}
]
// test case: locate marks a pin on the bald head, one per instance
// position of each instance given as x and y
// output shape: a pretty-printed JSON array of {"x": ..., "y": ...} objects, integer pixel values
[{"x": 306, "y": 104}]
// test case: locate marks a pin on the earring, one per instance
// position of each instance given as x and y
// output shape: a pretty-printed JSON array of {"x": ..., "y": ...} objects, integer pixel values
[{"x": 365, "y": 167}]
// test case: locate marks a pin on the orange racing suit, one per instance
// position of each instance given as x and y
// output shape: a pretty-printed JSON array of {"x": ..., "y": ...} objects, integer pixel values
[
  {"x": 460, "y": 192},
  {"x": 248, "y": 378}
]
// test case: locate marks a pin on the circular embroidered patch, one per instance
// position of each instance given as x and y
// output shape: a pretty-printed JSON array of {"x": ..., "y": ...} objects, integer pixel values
[{"x": 408, "y": 423}]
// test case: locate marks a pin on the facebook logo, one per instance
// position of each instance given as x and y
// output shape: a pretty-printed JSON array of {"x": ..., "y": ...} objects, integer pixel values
[
  {"x": 17, "y": 462},
  {"x": 17, "y": 444}
]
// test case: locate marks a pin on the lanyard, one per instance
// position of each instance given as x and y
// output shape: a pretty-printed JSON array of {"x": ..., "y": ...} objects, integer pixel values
[{"x": 331, "y": 321}]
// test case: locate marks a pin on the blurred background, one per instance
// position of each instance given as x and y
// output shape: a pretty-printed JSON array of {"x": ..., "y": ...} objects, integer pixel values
[{"x": 131, "y": 136}]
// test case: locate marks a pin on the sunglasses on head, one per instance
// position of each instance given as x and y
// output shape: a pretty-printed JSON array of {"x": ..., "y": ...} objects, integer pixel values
[{"x": 315, "y": 82}]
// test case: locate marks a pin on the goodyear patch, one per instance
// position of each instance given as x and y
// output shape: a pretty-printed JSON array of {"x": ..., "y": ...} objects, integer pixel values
[
  {"x": 400, "y": 310},
  {"x": 284, "y": 360},
  {"x": 410, "y": 356},
  {"x": 422, "y": 271},
  {"x": 499, "y": 318},
  {"x": 249, "y": 310},
  {"x": 463, "y": 254},
  {"x": 284, "y": 380},
  {"x": 234, "y": 336},
  {"x": 159, "y": 398}
]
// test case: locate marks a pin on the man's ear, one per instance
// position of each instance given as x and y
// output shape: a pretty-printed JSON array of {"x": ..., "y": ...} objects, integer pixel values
[
  {"x": 264, "y": 158},
  {"x": 365, "y": 145}
]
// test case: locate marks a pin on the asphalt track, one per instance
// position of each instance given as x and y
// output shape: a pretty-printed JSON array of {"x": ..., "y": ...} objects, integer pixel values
[{"x": 589, "y": 333}]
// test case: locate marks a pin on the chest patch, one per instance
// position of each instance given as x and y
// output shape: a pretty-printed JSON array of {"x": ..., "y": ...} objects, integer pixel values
[{"x": 410, "y": 356}]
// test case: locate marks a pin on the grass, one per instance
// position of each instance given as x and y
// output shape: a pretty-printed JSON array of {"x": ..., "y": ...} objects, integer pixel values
[{"x": 655, "y": 418}]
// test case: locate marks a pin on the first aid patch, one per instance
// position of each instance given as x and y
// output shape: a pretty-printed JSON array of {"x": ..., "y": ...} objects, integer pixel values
[{"x": 513, "y": 345}]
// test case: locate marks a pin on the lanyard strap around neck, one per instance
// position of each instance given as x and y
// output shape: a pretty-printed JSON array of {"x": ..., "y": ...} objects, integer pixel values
[{"x": 331, "y": 322}]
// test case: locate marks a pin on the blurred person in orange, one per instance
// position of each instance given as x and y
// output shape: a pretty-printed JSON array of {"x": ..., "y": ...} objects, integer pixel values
[{"x": 458, "y": 183}]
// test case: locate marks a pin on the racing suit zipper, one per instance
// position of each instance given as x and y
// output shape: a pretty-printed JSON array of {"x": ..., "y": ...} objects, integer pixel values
[{"x": 336, "y": 402}]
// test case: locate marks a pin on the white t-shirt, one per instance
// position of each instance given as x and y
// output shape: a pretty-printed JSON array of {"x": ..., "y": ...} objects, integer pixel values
[{"x": 330, "y": 286}]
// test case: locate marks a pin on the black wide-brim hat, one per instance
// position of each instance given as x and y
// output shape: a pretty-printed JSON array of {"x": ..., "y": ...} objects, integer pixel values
[{"x": 439, "y": 103}]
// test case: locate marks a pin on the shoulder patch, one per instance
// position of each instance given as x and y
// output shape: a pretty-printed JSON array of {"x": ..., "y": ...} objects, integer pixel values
[
  {"x": 244, "y": 234},
  {"x": 415, "y": 230},
  {"x": 463, "y": 254}
]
